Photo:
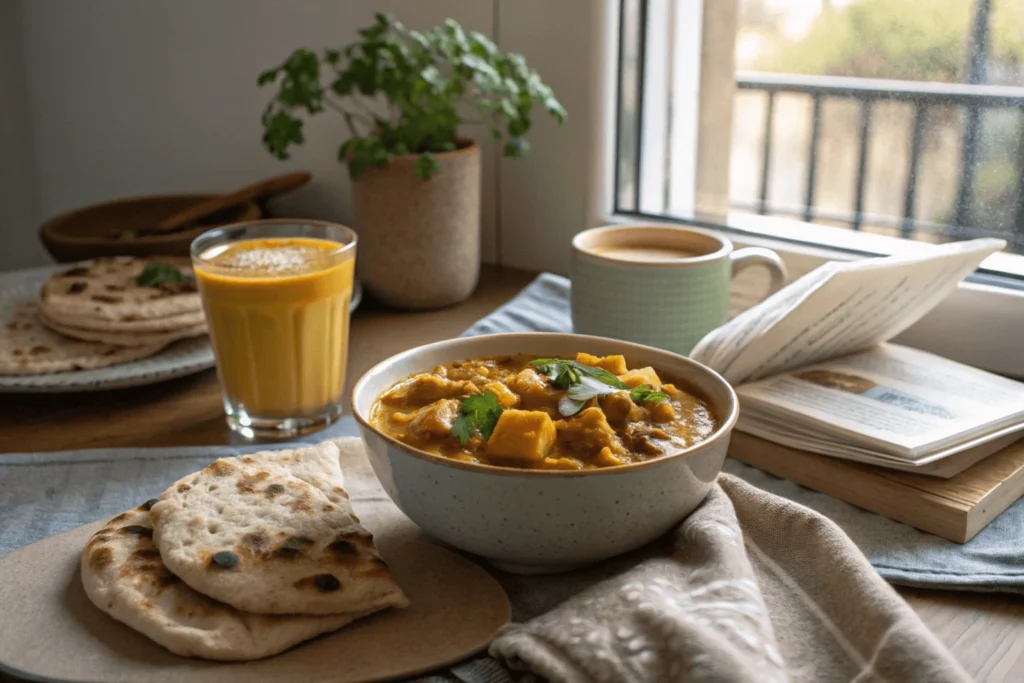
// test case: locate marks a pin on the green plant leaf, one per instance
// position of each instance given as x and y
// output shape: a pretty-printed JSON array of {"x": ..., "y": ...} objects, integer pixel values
[
  {"x": 516, "y": 147},
  {"x": 426, "y": 166},
  {"x": 345, "y": 149},
  {"x": 280, "y": 131},
  {"x": 431, "y": 83},
  {"x": 555, "y": 108},
  {"x": 268, "y": 76},
  {"x": 432, "y": 76}
]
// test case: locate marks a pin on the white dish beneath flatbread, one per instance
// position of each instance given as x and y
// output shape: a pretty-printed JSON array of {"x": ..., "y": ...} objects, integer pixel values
[{"x": 179, "y": 359}]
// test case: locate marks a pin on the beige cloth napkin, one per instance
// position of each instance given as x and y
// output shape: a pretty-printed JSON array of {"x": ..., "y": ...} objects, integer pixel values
[{"x": 750, "y": 587}]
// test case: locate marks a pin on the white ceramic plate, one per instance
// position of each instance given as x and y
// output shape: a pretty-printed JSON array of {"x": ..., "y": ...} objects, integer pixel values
[{"x": 181, "y": 358}]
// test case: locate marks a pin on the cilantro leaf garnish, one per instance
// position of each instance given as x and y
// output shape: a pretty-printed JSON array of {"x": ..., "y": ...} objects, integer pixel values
[
  {"x": 565, "y": 373},
  {"x": 478, "y": 412},
  {"x": 644, "y": 392},
  {"x": 584, "y": 382},
  {"x": 588, "y": 388},
  {"x": 569, "y": 407},
  {"x": 156, "y": 273},
  {"x": 562, "y": 373},
  {"x": 581, "y": 382}
]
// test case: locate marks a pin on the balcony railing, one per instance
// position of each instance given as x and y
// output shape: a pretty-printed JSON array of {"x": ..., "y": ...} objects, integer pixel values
[{"x": 924, "y": 96}]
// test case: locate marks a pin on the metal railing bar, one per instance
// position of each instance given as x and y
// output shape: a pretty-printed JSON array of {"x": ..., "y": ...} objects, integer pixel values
[
  {"x": 1019, "y": 218},
  {"x": 879, "y": 89},
  {"x": 641, "y": 56},
  {"x": 769, "y": 118},
  {"x": 917, "y": 133},
  {"x": 968, "y": 167},
  {"x": 862, "y": 162},
  {"x": 620, "y": 105},
  {"x": 812, "y": 161}
]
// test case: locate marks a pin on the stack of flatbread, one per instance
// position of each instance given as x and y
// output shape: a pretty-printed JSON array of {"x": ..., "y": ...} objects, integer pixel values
[
  {"x": 98, "y": 313},
  {"x": 242, "y": 560}
]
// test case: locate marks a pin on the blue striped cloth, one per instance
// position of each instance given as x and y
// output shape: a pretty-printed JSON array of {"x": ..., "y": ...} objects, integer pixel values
[{"x": 45, "y": 493}]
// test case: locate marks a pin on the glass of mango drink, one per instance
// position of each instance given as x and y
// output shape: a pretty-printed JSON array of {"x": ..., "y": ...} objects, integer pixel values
[{"x": 276, "y": 295}]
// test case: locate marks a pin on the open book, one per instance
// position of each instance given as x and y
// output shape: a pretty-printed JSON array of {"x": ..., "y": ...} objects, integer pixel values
[{"x": 813, "y": 369}]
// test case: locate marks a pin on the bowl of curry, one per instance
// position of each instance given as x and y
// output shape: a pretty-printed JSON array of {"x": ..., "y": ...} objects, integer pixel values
[{"x": 544, "y": 452}]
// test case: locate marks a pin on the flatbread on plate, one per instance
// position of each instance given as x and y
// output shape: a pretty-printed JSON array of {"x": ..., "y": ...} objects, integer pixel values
[
  {"x": 124, "y": 338},
  {"x": 170, "y": 323},
  {"x": 106, "y": 289},
  {"x": 123, "y": 575},
  {"x": 273, "y": 533},
  {"x": 27, "y": 347}
]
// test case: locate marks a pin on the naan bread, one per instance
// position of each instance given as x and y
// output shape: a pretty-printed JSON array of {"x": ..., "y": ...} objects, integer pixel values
[
  {"x": 168, "y": 324},
  {"x": 273, "y": 533},
  {"x": 123, "y": 575},
  {"x": 125, "y": 338},
  {"x": 27, "y": 347},
  {"x": 106, "y": 290}
]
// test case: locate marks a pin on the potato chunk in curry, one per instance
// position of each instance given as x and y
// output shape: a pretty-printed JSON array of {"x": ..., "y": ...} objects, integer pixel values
[
  {"x": 523, "y": 436},
  {"x": 520, "y": 414}
]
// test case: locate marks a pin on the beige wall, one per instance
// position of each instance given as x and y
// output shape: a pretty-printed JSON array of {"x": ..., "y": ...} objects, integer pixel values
[
  {"x": 129, "y": 98},
  {"x": 19, "y": 212}
]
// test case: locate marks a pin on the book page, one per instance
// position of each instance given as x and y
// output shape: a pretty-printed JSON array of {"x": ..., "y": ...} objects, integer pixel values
[
  {"x": 941, "y": 463},
  {"x": 838, "y": 309},
  {"x": 720, "y": 347},
  {"x": 890, "y": 399}
]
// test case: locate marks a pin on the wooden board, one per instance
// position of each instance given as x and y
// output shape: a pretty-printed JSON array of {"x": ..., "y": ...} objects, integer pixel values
[
  {"x": 956, "y": 508},
  {"x": 50, "y": 631}
]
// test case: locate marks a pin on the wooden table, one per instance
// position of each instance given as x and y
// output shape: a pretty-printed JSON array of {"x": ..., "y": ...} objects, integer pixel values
[{"x": 984, "y": 631}]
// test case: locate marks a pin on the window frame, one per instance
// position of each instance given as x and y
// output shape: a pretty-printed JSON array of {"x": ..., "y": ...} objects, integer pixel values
[{"x": 979, "y": 324}]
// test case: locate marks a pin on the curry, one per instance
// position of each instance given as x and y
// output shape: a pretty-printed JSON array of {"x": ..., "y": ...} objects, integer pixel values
[{"x": 544, "y": 413}]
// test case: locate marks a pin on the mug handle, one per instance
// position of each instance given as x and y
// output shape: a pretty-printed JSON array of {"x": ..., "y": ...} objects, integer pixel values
[{"x": 758, "y": 256}]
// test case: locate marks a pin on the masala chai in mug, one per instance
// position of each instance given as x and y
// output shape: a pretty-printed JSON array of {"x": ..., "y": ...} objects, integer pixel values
[{"x": 658, "y": 285}]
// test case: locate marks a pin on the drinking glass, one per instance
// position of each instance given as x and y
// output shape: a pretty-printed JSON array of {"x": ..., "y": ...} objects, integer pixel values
[{"x": 276, "y": 295}]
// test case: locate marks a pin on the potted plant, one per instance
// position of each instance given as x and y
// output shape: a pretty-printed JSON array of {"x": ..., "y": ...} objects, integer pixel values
[{"x": 415, "y": 181}]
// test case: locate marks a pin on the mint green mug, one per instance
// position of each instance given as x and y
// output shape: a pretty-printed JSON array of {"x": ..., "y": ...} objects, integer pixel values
[{"x": 658, "y": 285}]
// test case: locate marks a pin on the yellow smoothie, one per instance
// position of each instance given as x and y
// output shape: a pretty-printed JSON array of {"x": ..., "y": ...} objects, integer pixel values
[{"x": 278, "y": 315}]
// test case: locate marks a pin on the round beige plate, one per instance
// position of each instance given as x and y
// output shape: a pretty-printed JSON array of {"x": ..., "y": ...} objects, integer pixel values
[{"x": 50, "y": 631}]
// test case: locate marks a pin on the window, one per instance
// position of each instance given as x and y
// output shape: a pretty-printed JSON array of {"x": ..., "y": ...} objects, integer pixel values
[
  {"x": 866, "y": 119},
  {"x": 834, "y": 129}
]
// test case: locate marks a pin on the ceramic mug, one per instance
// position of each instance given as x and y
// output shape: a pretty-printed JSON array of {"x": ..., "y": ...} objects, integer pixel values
[{"x": 658, "y": 285}]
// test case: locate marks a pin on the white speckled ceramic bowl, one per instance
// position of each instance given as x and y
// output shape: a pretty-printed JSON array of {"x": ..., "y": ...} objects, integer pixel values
[{"x": 543, "y": 521}]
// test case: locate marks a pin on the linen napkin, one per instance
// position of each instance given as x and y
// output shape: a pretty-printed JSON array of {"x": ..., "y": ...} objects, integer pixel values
[{"x": 750, "y": 587}]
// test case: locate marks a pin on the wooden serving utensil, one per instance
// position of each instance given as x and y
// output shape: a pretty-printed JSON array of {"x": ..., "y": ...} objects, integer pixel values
[{"x": 187, "y": 217}]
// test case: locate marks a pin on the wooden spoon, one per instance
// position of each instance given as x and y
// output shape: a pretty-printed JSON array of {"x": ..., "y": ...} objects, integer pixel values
[
  {"x": 271, "y": 187},
  {"x": 264, "y": 189}
]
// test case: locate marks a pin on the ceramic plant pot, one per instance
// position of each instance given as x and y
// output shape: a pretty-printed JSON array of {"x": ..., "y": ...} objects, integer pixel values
[{"x": 419, "y": 239}]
